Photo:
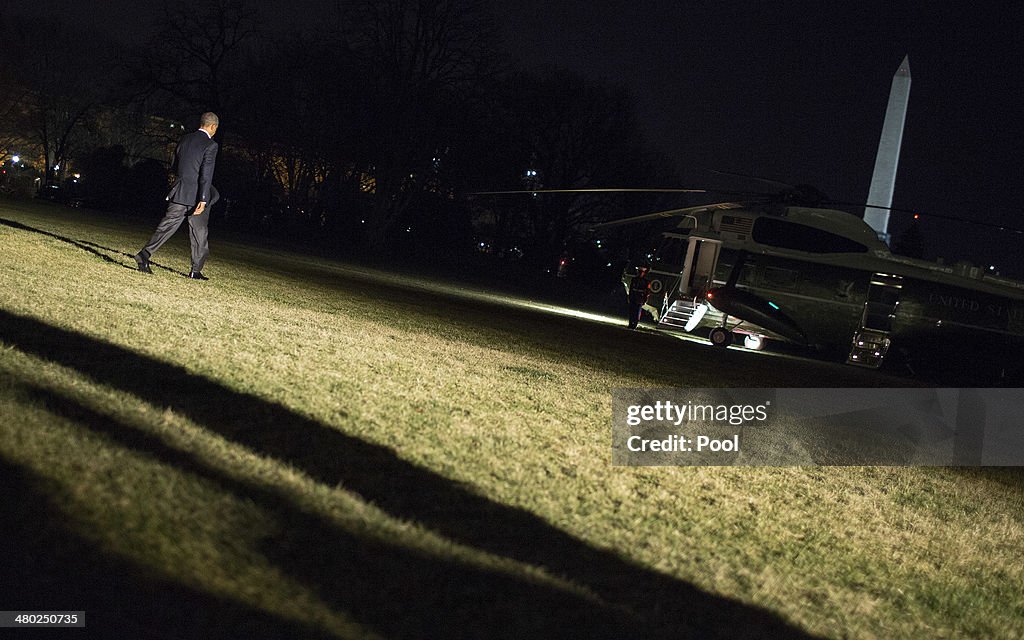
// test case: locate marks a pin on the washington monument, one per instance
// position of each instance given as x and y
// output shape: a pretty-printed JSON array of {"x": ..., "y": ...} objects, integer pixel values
[{"x": 883, "y": 180}]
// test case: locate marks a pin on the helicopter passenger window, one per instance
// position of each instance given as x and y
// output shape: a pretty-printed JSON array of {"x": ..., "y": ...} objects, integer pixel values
[{"x": 790, "y": 235}]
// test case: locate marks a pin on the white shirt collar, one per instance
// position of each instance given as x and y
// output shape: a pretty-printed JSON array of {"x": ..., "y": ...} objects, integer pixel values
[{"x": 206, "y": 132}]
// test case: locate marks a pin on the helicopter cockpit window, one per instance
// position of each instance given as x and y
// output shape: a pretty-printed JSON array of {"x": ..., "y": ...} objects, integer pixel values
[
  {"x": 670, "y": 253},
  {"x": 790, "y": 235}
]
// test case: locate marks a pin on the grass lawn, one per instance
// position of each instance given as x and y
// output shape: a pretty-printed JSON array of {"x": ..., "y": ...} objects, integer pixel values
[{"x": 303, "y": 448}]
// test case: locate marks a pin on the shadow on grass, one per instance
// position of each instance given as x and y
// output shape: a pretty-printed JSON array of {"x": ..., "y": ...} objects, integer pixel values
[
  {"x": 390, "y": 588},
  {"x": 402, "y": 592},
  {"x": 48, "y": 567},
  {"x": 90, "y": 247},
  {"x": 1007, "y": 483}
]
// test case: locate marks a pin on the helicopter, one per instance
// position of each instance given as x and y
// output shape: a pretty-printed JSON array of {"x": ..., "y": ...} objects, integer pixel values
[{"x": 790, "y": 267}]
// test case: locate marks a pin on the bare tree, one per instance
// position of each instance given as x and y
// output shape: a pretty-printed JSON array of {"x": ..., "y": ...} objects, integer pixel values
[
  {"x": 143, "y": 137},
  {"x": 423, "y": 59},
  {"x": 566, "y": 132},
  {"x": 13, "y": 106},
  {"x": 196, "y": 59},
  {"x": 12, "y": 103},
  {"x": 63, "y": 83}
]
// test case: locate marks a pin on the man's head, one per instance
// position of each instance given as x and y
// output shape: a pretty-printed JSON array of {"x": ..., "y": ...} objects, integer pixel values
[{"x": 209, "y": 122}]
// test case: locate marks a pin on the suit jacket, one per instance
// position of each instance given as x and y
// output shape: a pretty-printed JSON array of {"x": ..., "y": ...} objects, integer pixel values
[{"x": 193, "y": 161}]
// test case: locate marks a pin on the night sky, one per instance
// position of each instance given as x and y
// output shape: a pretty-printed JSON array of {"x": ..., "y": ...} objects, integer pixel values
[
  {"x": 791, "y": 91},
  {"x": 797, "y": 92}
]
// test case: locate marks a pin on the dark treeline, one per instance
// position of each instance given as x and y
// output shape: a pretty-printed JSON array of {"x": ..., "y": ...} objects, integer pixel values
[{"x": 364, "y": 132}]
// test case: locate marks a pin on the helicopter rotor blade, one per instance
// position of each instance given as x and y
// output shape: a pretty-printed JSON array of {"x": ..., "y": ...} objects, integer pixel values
[
  {"x": 668, "y": 213},
  {"x": 609, "y": 190},
  {"x": 991, "y": 225},
  {"x": 777, "y": 183},
  {"x": 872, "y": 206}
]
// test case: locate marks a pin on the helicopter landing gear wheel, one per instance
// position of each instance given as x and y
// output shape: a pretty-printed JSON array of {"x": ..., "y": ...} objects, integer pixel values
[
  {"x": 753, "y": 342},
  {"x": 720, "y": 337}
]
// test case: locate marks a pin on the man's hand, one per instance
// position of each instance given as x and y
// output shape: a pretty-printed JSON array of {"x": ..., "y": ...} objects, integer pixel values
[{"x": 199, "y": 208}]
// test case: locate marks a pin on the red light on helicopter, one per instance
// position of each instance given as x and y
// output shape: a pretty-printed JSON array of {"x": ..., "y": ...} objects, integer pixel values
[{"x": 710, "y": 294}]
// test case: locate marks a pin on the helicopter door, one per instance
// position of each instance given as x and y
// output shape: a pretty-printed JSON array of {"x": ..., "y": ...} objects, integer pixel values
[
  {"x": 682, "y": 310},
  {"x": 699, "y": 266},
  {"x": 871, "y": 341}
]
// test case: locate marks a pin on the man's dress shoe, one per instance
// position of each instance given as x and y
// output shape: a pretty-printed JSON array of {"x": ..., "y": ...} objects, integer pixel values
[{"x": 143, "y": 264}]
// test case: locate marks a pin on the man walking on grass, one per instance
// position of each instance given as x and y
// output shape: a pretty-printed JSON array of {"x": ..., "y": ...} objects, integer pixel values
[{"x": 191, "y": 196}]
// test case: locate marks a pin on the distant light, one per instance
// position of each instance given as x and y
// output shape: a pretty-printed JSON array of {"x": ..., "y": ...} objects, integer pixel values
[
  {"x": 916, "y": 216},
  {"x": 773, "y": 305},
  {"x": 77, "y": 175},
  {"x": 608, "y": 265},
  {"x": 56, "y": 167},
  {"x": 15, "y": 159},
  {"x": 363, "y": 221},
  {"x": 992, "y": 267}
]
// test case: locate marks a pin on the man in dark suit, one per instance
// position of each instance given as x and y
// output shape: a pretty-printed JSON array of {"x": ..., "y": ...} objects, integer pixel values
[{"x": 191, "y": 197}]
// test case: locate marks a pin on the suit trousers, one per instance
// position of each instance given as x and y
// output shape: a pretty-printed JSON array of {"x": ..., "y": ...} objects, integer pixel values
[{"x": 198, "y": 233}]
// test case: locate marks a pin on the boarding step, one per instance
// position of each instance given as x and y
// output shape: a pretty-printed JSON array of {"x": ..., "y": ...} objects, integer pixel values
[
  {"x": 683, "y": 314},
  {"x": 868, "y": 348},
  {"x": 871, "y": 342}
]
